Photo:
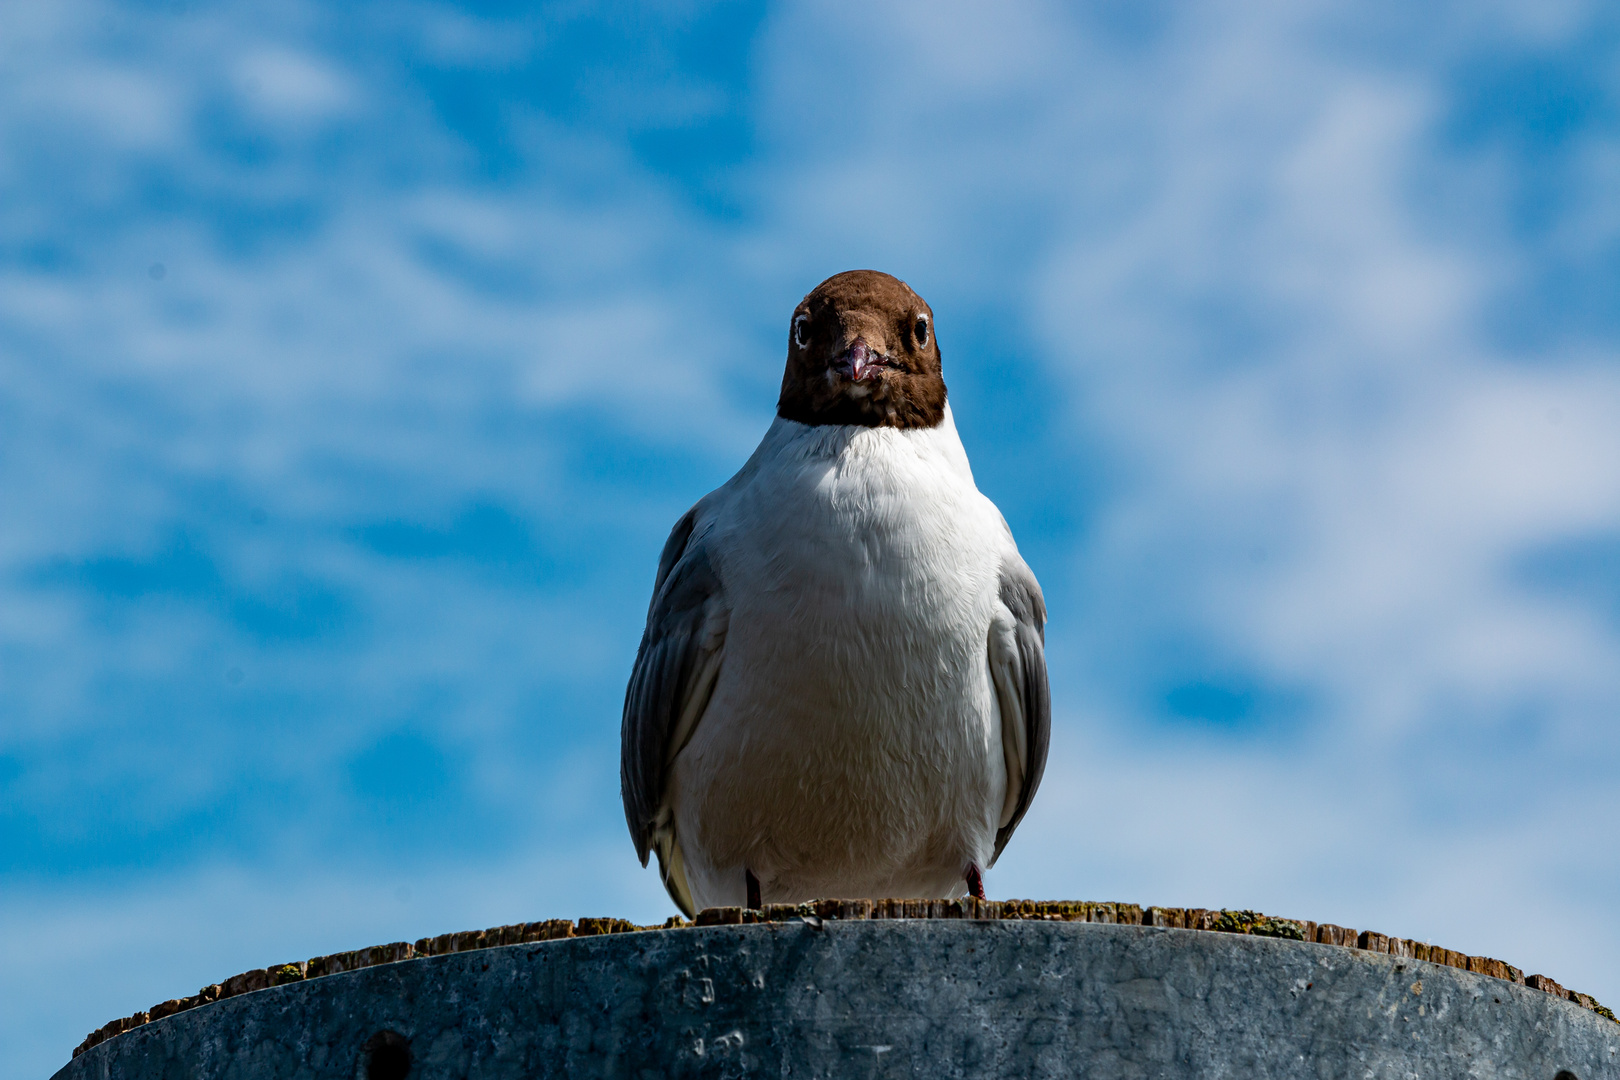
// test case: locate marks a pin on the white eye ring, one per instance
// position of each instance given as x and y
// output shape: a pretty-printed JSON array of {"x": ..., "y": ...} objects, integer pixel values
[
  {"x": 801, "y": 331},
  {"x": 919, "y": 330}
]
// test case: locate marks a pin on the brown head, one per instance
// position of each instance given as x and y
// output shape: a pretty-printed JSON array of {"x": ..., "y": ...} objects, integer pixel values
[{"x": 861, "y": 350}]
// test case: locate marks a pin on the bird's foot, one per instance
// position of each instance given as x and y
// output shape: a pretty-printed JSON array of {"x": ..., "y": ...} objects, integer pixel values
[
  {"x": 975, "y": 882},
  {"x": 753, "y": 890}
]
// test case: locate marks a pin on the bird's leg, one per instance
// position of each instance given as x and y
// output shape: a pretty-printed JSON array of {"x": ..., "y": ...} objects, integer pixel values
[
  {"x": 753, "y": 890},
  {"x": 975, "y": 882}
]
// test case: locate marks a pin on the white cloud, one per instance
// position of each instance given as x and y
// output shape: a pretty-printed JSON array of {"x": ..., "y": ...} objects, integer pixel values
[{"x": 291, "y": 86}]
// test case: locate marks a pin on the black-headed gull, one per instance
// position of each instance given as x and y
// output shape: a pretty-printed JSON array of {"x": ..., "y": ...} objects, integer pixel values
[{"x": 841, "y": 691}]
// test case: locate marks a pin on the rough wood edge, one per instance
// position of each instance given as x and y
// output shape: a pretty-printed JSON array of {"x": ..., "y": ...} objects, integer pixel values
[{"x": 1222, "y": 921}]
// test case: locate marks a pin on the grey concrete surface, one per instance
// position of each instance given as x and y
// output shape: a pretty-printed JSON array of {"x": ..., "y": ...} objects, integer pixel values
[{"x": 930, "y": 998}]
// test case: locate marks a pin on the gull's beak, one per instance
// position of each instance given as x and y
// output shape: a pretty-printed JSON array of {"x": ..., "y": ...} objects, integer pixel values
[{"x": 858, "y": 361}]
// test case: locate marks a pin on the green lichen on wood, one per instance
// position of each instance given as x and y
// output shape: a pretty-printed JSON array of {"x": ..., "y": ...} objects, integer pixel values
[
  {"x": 1258, "y": 924},
  {"x": 1235, "y": 922},
  {"x": 1279, "y": 928}
]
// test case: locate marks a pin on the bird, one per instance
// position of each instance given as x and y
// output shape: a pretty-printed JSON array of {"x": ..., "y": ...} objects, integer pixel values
[{"x": 841, "y": 689}]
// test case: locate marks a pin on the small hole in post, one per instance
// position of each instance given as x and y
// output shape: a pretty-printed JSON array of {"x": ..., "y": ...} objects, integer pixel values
[
  {"x": 1565, "y": 1074},
  {"x": 388, "y": 1056}
]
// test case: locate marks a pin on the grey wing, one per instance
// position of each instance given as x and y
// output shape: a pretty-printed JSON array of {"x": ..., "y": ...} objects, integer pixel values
[
  {"x": 1018, "y": 666},
  {"x": 670, "y": 686}
]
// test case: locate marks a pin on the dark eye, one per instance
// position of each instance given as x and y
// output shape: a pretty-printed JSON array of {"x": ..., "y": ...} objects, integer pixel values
[
  {"x": 919, "y": 330},
  {"x": 801, "y": 331}
]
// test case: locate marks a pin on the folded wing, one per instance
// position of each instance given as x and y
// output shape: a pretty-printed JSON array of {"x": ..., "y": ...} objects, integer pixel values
[
  {"x": 670, "y": 687},
  {"x": 1018, "y": 668}
]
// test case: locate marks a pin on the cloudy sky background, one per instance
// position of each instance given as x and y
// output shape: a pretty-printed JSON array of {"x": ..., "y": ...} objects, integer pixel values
[{"x": 355, "y": 360}]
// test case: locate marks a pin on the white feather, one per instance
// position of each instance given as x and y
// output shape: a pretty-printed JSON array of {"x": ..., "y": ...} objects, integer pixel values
[{"x": 853, "y": 742}]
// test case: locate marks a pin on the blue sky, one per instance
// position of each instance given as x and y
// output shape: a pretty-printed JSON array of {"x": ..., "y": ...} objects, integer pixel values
[{"x": 355, "y": 360}]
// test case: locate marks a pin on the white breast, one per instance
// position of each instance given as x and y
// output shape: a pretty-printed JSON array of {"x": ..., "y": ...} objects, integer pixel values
[{"x": 852, "y": 746}]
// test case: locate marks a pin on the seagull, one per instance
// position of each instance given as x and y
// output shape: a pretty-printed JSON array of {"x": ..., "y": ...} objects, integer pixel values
[{"x": 841, "y": 690}]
